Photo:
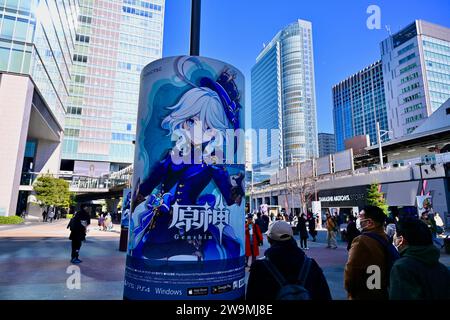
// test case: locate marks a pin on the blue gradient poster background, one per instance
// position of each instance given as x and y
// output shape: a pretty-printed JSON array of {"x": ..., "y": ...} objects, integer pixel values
[{"x": 186, "y": 231}]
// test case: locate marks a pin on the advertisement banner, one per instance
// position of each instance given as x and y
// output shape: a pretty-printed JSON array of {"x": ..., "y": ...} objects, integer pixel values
[
  {"x": 186, "y": 233},
  {"x": 424, "y": 204}
]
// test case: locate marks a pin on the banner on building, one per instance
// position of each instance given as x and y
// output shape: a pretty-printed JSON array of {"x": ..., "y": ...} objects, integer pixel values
[
  {"x": 186, "y": 233},
  {"x": 424, "y": 204}
]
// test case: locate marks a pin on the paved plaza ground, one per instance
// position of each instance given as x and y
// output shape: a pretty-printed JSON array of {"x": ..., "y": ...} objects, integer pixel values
[{"x": 34, "y": 259}]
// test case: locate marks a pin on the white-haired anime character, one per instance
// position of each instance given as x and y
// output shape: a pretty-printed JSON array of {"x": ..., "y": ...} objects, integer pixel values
[{"x": 199, "y": 119}]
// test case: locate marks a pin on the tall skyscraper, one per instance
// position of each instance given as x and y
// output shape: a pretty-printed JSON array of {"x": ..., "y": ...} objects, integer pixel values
[
  {"x": 358, "y": 104},
  {"x": 283, "y": 98},
  {"x": 114, "y": 41},
  {"x": 36, "y": 48},
  {"x": 327, "y": 144},
  {"x": 416, "y": 66}
]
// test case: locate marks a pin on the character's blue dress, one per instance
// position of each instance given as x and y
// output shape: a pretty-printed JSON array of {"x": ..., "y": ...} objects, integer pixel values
[{"x": 183, "y": 184}]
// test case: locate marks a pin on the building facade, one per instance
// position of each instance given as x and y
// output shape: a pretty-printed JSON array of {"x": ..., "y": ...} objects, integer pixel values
[
  {"x": 114, "y": 41},
  {"x": 358, "y": 104},
  {"x": 327, "y": 144},
  {"x": 283, "y": 99},
  {"x": 416, "y": 67},
  {"x": 36, "y": 47}
]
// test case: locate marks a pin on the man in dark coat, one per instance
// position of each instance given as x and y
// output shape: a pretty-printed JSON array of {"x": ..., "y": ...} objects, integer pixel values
[
  {"x": 352, "y": 231},
  {"x": 78, "y": 225},
  {"x": 301, "y": 229},
  {"x": 312, "y": 226},
  {"x": 288, "y": 258},
  {"x": 418, "y": 274},
  {"x": 260, "y": 222}
]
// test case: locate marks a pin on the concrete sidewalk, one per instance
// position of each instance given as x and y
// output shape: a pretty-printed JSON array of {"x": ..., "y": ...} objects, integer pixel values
[{"x": 35, "y": 261}]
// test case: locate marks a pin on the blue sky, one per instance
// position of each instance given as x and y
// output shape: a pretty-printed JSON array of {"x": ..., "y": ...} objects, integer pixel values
[{"x": 235, "y": 30}]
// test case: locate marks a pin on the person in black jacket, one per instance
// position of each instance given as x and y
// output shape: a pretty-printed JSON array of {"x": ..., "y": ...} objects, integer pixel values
[
  {"x": 352, "y": 232},
  {"x": 78, "y": 225},
  {"x": 288, "y": 258},
  {"x": 312, "y": 226},
  {"x": 301, "y": 229}
]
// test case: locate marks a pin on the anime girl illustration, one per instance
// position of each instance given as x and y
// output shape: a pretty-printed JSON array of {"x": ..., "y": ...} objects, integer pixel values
[{"x": 191, "y": 174}]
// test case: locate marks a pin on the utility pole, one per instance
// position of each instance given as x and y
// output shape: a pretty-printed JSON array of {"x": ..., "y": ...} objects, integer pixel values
[
  {"x": 380, "y": 150},
  {"x": 195, "y": 27}
]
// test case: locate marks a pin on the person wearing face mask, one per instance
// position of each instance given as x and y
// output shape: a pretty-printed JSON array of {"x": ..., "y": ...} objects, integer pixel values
[
  {"x": 369, "y": 249},
  {"x": 418, "y": 274}
]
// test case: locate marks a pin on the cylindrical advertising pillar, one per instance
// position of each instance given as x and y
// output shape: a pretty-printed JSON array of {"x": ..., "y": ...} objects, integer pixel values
[
  {"x": 186, "y": 232},
  {"x": 125, "y": 221}
]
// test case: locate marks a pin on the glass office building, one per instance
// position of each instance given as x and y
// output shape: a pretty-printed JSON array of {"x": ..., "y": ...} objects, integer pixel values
[
  {"x": 327, "y": 144},
  {"x": 283, "y": 98},
  {"x": 358, "y": 104},
  {"x": 416, "y": 65},
  {"x": 115, "y": 39},
  {"x": 37, "y": 41}
]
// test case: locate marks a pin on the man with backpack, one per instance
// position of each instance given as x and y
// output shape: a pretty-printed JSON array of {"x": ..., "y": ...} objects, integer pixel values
[
  {"x": 370, "y": 259},
  {"x": 285, "y": 273}
]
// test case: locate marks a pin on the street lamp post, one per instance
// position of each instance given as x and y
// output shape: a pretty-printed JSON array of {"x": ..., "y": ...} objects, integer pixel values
[
  {"x": 195, "y": 27},
  {"x": 380, "y": 134}
]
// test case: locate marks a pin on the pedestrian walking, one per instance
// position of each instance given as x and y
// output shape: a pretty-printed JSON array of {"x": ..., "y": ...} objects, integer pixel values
[
  {"x": 51, "y": 215},
  {"x": 369, "y": 252},
  {"x": 352, "y": 232},
  {"x": 266, "y": 220},
  {"x": 101, "y": 222},
  {"x": 78, "y": 228},
  {"x": 331, "y": 232},
  {"x": 418, "y": 274},
  {"x": 44, "y": 216},
  {"x": 312, "y": 226},
  {"x": 301, "y": 229},
  {"x": 108, "y": 222},
  {"x": 285, "y": 273},
  {"x": 260, "y": 222},
  {"x": 253, "y": 239}
]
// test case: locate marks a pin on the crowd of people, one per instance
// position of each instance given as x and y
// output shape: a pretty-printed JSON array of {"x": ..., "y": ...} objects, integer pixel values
[
  {"x": 51, "y": 215},
  {"x": 388, "y": 258}
]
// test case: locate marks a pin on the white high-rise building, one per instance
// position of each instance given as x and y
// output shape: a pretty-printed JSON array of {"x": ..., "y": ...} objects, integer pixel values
[
  {"x": 416, "y": 70},
  {"x": 283, "y": 98}
]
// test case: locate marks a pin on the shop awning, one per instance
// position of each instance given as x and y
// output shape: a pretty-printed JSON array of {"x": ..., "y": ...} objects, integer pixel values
[{"x": 402, "y": 193}]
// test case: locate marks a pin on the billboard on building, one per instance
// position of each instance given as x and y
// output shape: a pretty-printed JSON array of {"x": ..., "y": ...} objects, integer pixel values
[
  {"x": 186, "y": 233},
  {"x": 306, "y": 169},
  {"x": 424, "y": 204},
  {"x": 343, "y": 161},
  {"x": 91, "y": 168},
  {"x": 324, "y": 165}
]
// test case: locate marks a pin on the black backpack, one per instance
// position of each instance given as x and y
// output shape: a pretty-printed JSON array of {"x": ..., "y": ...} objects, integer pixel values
[{"x": 289, "y": 291}]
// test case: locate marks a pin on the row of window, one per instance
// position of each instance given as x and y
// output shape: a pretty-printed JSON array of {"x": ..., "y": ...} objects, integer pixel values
[
  {"x": 81, "y": 38},
  {"x": 80, "y": 79},
  {"x": 85, "y": 19},
  {"x": 407, "y": 58},
  {"x": 413, "y": 108},
  {"x": 80, "y": 58},
  {"x": 414, "y": 118},
  {"x": 436, "y": 46},
  {"x": 438, "y": 56},
  {"x": 407, "y": 48},
  {"x": 410, "y": 77},
  {"x": 143, "y": 4},
  {"x": 72, "y": 132},
  {"x": 74, "y": 110},
  {"x": 409, "y": 67},
  {"x": 411, "y": 98},
  {"x": 409, "y": 130},
  {"x": 410, "y": 87},
  {"x": 138, "y": 12}
]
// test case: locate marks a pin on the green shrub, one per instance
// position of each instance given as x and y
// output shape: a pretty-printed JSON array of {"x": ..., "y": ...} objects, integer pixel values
[{"x": 11, "y": 220}]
